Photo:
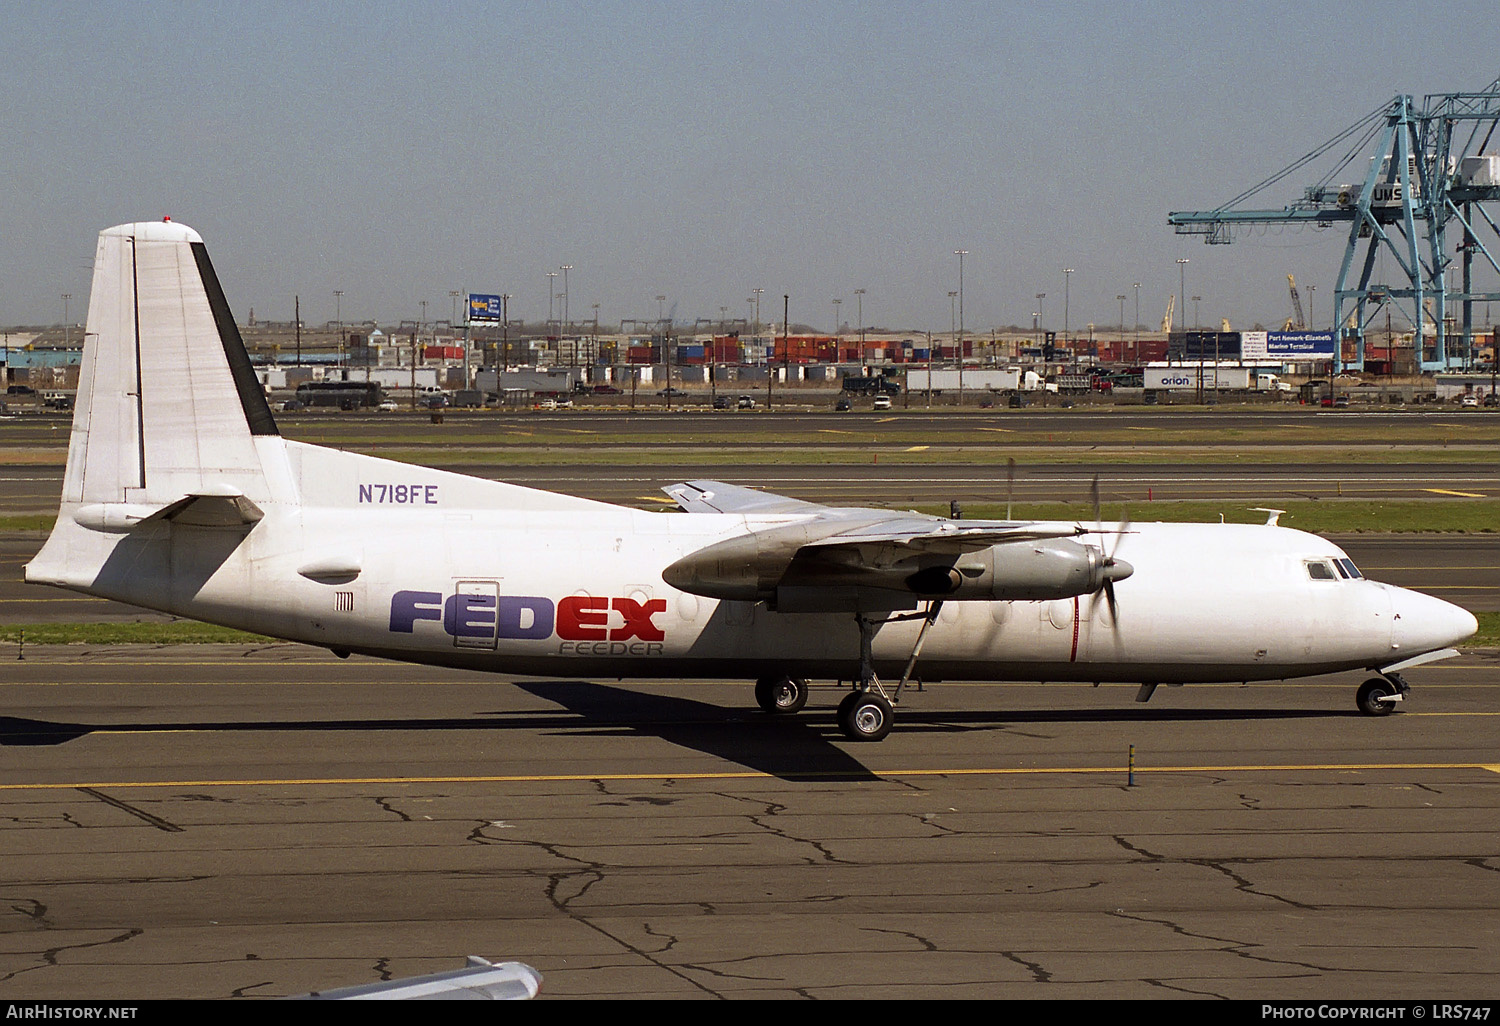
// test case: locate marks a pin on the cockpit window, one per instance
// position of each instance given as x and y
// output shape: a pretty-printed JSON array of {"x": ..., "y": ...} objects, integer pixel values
[
  {"x": 1318, "y": 570},
  {"x": 1348, "y": 569}
]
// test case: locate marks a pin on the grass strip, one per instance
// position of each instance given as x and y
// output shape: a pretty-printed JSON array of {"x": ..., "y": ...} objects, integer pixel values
[{"x": 176, "y": 632}]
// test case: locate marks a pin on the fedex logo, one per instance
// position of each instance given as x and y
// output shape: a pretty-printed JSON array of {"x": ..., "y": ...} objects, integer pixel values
[{"x": 480, "y": 614}]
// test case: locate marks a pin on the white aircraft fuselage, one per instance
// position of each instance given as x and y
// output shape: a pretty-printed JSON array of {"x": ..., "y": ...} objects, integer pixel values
[{"x": 181, "y": 495}]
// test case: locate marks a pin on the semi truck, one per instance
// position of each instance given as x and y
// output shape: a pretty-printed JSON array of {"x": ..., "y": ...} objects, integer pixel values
[{"x": 1221, "y": 379}]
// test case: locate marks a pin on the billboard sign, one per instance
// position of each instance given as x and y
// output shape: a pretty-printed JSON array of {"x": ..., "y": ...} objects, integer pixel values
[
  {"x": 1253, "y": 345},
  {"x": 1300, "y": 345},
  {"x": 485, "y": 308}
]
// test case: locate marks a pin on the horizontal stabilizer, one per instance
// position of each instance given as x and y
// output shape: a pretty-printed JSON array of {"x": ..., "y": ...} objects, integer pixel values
[
  {"x": 222, "y": 506},
  {"x": 211, "y": 511}
]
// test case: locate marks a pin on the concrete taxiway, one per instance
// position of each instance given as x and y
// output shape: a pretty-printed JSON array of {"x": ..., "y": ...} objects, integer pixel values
[{"x": 224, "y": 822}]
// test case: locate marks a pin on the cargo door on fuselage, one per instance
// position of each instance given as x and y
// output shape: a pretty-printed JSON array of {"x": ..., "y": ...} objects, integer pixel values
[{"x": 473, "y": 614}]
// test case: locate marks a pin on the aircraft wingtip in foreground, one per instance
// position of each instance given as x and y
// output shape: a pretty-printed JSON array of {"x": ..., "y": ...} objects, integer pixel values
[{"x": 180, "y": 494}]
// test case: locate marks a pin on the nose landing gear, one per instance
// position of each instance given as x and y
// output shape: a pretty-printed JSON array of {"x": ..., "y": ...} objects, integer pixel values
[{"x": 1378, "y": 695}]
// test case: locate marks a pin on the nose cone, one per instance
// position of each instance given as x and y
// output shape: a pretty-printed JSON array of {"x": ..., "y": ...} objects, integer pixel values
[{"x": 1421, "y": 623}]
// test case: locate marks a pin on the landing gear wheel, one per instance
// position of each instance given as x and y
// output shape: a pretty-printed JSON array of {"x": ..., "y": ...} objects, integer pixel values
[
  {"x": 781, "y": 695},
  {"x": 865, "y": 716},
  {"x": 1375, "y": 697}
]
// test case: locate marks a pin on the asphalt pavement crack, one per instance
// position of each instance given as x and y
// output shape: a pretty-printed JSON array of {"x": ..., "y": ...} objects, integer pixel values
[
  {"x": 770, "y": 810},
  {"x": 49, "y": 957},
  {"x": 385, "y": 805},
  {"x": 1038, "y": 974},
  {"x": 141, "y": 814},
  {"x": 31, "y": 909}
]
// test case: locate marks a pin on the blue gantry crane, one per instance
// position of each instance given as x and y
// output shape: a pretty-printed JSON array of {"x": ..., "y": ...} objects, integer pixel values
[{"x": 1430, "y": 171}]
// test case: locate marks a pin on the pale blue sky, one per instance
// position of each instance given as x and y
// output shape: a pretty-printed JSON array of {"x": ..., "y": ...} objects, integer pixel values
[{"x": 398, "y": 151}]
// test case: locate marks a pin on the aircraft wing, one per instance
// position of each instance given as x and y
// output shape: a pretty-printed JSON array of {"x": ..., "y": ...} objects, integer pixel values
[
  {"x": 831, "y": 557},
  {"x": 933, "y": 534},
  {"x": 864, "y": 526},
  {"x": 718, "y": 497}
]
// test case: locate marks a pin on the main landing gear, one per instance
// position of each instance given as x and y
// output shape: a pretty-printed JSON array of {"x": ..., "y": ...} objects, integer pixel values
[
  {"x": 783, "y": 694},
  {"x": 1378, "y": 695},
  {"x": 867, "y": 713}
]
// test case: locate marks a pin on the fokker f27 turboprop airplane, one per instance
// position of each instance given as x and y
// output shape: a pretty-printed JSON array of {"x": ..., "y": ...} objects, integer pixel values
[{"x": 181, "y": 495}]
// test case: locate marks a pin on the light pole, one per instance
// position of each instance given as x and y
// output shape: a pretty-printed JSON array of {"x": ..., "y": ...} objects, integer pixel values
[
  {"x": 1311, "y": 321},
  {"x": 338, "y": 320},
  {"x": 1137, "y": 331},
  {"x": 453, "y": 295},
  {"x": 1197, "y": 325},
  {"x": 551, "y": 298},
  {"x": 960, "y": 253},
  {"x": 1182, "y": 263},
  {"x": 565, "y": 269},
  {"x": 1067, "y": 282},
  {"x": 1121, "y": 298},
  {"x": 504, "y": 337},
  {"x": 859, "y": 304},
  {"x": 952, "y": 314},
  {"x": 757, "y": 293},
  {"x": 836, "y": 303},
  {"x": 1041, "y": 311},
  {"x": 67, "y": 328}
]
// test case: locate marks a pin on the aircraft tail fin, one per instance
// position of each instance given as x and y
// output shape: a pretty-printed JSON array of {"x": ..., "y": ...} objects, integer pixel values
[{"x": 168, "y": 404}]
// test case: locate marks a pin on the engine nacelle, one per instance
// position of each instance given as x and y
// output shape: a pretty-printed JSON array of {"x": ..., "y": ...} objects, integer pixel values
[
  {"x": 767, "y": 567},
  {"x": 1021, "y": 571}
]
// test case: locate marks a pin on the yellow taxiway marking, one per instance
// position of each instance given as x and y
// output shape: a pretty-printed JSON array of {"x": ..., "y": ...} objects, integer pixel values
[
  {"x": 554, "y": 778},
  {"x": 887, "y": 420},
  {"x": 1007, "y": 431},
  {"x": 916, "y": 448},
  {"x": 1464, "y": 495}
]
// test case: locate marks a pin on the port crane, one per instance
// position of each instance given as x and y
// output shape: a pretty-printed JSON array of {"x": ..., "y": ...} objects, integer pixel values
[
  {"x": 1430, "y": 171},
  {"x": 1298, "y": 321}
]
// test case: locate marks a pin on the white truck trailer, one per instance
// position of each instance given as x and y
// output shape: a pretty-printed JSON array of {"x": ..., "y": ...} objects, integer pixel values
[
  {"x": 1006, "y": 379},
  {"x": 1185, "y": 378}
]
